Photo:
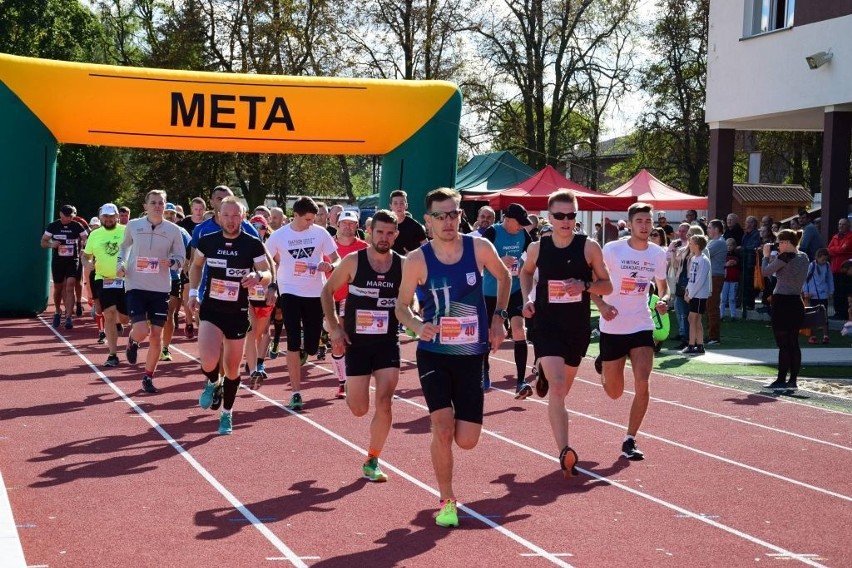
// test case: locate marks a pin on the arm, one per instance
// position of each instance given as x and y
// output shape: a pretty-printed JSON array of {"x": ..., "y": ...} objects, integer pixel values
[
  {"x": 413, "y": 272},
  {"x": 123, "y": 251},
  {"x": 342, "y": 275},
  {"x": 195, "y": 271},
  {"x": 527, "y": 277},
  {"x": 47, "y": 242},
  {"x": 177, "y": 253},
  {"x": 486, "y": 257},
  {"x": 601, "y": 285}
]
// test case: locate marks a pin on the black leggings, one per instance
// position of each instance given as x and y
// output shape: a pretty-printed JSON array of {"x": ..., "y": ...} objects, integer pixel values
[{"x": 787, "y": 313}]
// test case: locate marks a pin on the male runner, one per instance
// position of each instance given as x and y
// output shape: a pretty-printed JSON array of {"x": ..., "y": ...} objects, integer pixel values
[
  {"x": 175, "y": 294},
  {"x": 197, "y": 209},
  {"x": 411, "y": 233},
  {"x": 66, "y": 237},
  {"x": 151, "y": 247},
  {"x": 368, "y": 332},
  {"x": 570, "y": 267},
  {"x": 454, "y": 333},
  {"x": 236, "y": 263},
  {"x": 298, "y": 249},
  {"x": 626, "y": 325}
]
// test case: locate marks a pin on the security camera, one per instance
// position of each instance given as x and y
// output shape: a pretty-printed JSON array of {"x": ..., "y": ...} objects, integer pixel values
[{"x": 818, "y": 59}]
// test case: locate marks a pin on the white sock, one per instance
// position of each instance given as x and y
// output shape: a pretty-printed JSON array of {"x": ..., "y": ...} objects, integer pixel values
[{"x": 339, "y": 364}]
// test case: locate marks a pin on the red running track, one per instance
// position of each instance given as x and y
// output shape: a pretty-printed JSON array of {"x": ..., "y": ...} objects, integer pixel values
[{"x": 100, "y": 474}]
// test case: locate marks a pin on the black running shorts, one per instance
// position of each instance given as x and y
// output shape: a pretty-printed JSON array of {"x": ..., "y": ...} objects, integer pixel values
[
  {"x": 362, "y": 360},
  {"x": 615, "y": 346},
  {"x": 452, "y": 381}
]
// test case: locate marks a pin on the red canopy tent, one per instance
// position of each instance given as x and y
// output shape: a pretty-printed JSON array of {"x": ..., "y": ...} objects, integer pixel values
[
  {"x": 534, "y": 192},
  {"x": 648, "y": 189}
]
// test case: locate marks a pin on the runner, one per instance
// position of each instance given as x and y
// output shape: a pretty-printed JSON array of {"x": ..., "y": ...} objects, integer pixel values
[
  {"x": 66, "y": 237},
  {"x": 371, "y": 277},
  {"x": 101, "y": 255},
  {"x": 454, "y": 333},
  {"x": 511, "y": 241},
  {"x": 89, "y": 279},
  {"x": 170, "y": 214},
  {"x": 150, "y": 248},
  {"x": 236, "y": 263},
  {"x": 411, "y": 233},
  {"x": 197, "y": 209},
  {"x": 257, "y": 341},
  {"x": 347, "y": 241},
  {"x": 298, "y": 249},
  {"x": 570, "y": 267},
  {"x": 626, "y": 324}
]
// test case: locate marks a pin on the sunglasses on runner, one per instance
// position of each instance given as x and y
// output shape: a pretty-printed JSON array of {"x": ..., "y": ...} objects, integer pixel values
[
  {"x": 442, "y": 216},
  {"x": 562, "y": 216},
  {"x": 259, "y": 226}
]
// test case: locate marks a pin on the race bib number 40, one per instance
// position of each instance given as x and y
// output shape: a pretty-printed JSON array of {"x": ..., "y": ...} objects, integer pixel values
[{"x": 460, "y": 330}]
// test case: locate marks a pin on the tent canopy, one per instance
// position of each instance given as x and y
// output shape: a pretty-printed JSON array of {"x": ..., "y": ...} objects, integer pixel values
[
  {"x": 534, "y": 193},
  {"x": 492, "y": 172},
  {"x": 648, "y": 189}
]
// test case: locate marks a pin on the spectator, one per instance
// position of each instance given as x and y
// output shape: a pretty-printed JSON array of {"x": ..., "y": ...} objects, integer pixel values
[
  {"x": 732, "y": 280},
  {"x": 692, "y": 219},
  {"x": 484, "y": 219},
  {"x": 818, "y": 288},
  {"x": 735, "y": 231},
  {"x": 663, "y": 223},
  {"x": 748, "y": 253},
  {"x": 811, "y": 238},
  {"x": 840, "y": 249},
  {"x": 623, "y": 231},
  {"x": 697, "y": 292},
  {"x": 717, "y": 250}
]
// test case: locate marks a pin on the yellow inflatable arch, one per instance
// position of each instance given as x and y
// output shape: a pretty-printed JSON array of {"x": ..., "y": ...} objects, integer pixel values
[{"x": 414, "y": 125}]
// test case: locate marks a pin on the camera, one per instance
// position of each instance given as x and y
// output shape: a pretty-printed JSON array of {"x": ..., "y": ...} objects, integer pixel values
[{"x": 773, "y": 247}]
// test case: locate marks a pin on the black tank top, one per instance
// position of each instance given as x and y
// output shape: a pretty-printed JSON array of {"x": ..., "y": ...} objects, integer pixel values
[
  {"x": 556, "y": 264},
  {"x": 370, "y": 316}
]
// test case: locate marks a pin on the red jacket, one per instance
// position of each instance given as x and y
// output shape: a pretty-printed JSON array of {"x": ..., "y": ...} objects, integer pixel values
[{"x": 840, "y": 249}]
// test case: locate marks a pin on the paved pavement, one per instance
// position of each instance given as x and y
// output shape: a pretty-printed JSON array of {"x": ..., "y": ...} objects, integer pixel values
[{"x": 824, "y": 357}]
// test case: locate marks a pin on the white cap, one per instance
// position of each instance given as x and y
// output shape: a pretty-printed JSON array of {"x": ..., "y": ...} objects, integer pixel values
[
  {"x": 94, "y": 221},
  {"x": 109, "y": 209},
  {"x": 348, "y": 215}
]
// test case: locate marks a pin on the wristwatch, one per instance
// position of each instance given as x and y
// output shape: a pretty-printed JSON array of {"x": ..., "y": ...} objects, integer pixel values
[{"x": 502, "y": 313}]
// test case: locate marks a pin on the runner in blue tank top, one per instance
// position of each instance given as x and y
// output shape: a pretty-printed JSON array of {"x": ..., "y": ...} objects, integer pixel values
[
  {"x": 454, "y": 332},
  {"x": 570, "y": 266}
]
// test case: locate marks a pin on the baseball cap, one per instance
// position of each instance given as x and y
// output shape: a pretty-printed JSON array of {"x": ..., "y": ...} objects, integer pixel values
[
  {"x": 94, "y": 221},
  {"x": 171, "y": 207},
  {"x": 108, "y": 209},
  {"x": 348, "y": 215},
  {"x": 67, "y": 210},
  {"x": 259, "y": 220},
  {"x": 517, "y": 212}
]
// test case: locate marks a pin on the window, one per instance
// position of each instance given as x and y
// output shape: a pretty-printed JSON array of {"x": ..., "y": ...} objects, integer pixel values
[{"x": 763, "y": 16}]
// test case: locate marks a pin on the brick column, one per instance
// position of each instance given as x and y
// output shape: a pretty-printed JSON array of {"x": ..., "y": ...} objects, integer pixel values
[
  {"x": 836, "y": 145},
  {"x": 720, "y": 193}
]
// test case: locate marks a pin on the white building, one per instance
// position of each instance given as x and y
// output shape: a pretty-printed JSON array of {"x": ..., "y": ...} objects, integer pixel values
[{"x": 780, "y": 65}]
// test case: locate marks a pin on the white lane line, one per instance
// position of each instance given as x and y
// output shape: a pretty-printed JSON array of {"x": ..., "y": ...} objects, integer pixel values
[
  {"x": 410, "y": 478},
  {"x": 256, "y": 523},
  {"x": 11, "y": 551},
  {"x": 725, "y": 416},
  {"x": 677, "y": 508}
]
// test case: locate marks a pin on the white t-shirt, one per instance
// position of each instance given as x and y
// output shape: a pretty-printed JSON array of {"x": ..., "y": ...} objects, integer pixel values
[
  {"x": 300, "y": 252},
  {"x": 631, "y": 271}
]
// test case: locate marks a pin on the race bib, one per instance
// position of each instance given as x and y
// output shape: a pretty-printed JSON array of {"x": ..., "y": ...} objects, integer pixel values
[
  {"x": 113, "y": 283},
  {"x": 342, "y": 310},
  {"x": 257, "y": 293},
  {"x": 633, "y": 286},
  {"x": 66, "y": 250},
  {"x": 302, "y": 269},
  {"x": 224, "y": 290},
  {"x": 513, "y": 270},
  {"x": 147, "y": 265},
  {"x": 459, "y": 330},
  {"x": 371, "y": 322},
  {"x": 557, "y": 293}
]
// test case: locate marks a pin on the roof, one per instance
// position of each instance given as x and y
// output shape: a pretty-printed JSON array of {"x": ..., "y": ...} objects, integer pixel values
[
  {"x": 773, "y": 193},
  {"x": 648, "y": 189},
  {"x": 611, "y": 148},
  {"x": 492, "y": 172}
]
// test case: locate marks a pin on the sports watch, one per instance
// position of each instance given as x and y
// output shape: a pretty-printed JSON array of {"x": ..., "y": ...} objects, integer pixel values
[{"x": 502, "y": 313}]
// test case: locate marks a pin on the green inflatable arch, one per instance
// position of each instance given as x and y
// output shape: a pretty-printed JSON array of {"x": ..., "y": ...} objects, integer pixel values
[{"x": 414, "y": 125}]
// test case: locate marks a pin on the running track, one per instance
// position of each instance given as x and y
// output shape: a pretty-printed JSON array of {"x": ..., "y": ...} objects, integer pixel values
[{"x": 100, "y": 474}]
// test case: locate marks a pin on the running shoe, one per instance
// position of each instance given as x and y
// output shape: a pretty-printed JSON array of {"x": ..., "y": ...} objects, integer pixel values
[
  {"x": 303, "y": 356},
  {"x": 713, "y": 342},
  {"x": 257, "y": 379},
  {"x": 189, "y": 330},
  {"x": 541, "y": 385},
  {"x": 777, "y": 385},
  {"x": 101, "y": 337},
  {"x": 791, "y": 387},
  {"x": 165, "y": 355},
  {"x": 630, "y": 451},
  {"x": 119, "y": 328},
  {"x": 226, "y": 424},
  {"x": 218, "y": 395},
  {"x": 448, "y": 515},
  {"x": 295, "y": 402},
  {"x": 112, "y": 361},
  {"x": 69, "y": 323},
  {"x": 57, "y": 319},
  {"x": 486, "y": 380},
  {"x": 132, "y": 351},
  {"x": 699, "y": 350},
  {"x": 599, "y": 365},
  {"x": 273, "y": 350},
  {"x": 148, "y": 385},
  {"x": 373, "y": 472},
  {"x": 79, "y": 309},
  {"x": 205, "y": 401},
  {"x": 321, "y": 350},
  {"x": 261, "y": 369},
  {"x": 341, "y": 390},
  {"x": 568, "y": 462},
  {"x": 688, "y": 350},
  {"x": 523, "y": 391}
]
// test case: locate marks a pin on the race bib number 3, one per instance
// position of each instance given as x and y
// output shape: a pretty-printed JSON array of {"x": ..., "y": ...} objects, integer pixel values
[
  {"x": 147, "y": 265},
  {"x": 224, "y": 290},
  {"x": 371, "y": 322},
  {"x": 459, "y": 331},
  {"x": 558, "y": 294}
]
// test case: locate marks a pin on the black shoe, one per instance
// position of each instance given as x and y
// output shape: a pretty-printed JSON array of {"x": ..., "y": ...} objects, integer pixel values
[
  {"x": 777, "y": 385},
  {"x": 132, "y": 351},
  {"x": 321, "y": 350},
  {"x": 541, "y": 385},
  {"x": 57, "y": 319},
  {"x": 688, "y": 350},
  {"x": 682, "y": 346},
  {"x": 119, "y": 328},
  {"x": 79, "y": 309},
  {"x": 69, "y": 323},
  {"x": 698, "y": 350},
  {"x": 791, "y": 387},
  {"x": 148, "y": 385},
  {"x": 217, "y": 396},
  {"x": 599, "y": 365},
  {"x": 523, "y": 391},
  {"x": 101, "y": 338},
  {"x": 630, "y": 451},
  {"x": 112, "y": 361}
]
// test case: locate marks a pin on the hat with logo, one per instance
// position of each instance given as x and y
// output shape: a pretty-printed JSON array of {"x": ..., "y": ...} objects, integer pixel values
[
  {"x": 348, "y": 215},
  {"x": 259, "y": 220},
  {"x": 171, "y": 207},
  {"x": 109, "y": 209},
  {"x": 95, "y": 221},
  {"x": 517, "y": 212}
]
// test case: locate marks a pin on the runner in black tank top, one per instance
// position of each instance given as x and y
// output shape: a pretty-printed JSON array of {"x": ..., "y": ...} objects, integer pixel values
[
  {"x": 569, "y": 267},
  {"x": 370, "y": 327}
]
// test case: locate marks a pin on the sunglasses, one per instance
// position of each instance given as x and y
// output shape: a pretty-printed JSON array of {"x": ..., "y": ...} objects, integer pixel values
[
  {"x": 259, "y": 226},
  {"x": 562, "y": 216},
  {"x": 442, "y": 216}
]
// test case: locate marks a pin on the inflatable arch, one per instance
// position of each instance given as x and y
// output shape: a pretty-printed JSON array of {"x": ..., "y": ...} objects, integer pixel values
[{"x": 413, "y": 125}]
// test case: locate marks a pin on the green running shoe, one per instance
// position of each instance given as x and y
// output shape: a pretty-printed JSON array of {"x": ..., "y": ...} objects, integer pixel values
[
  {"x": 226, "y": 423},
  {"x": 303, "y": 356},
  {"x": 295, "y": 402},
  {"x": 373, "y": 472},
  {"x": 447, "y": 516},
  {"x": 205, "y": 401},
  {"x": 166, "y": 355}
]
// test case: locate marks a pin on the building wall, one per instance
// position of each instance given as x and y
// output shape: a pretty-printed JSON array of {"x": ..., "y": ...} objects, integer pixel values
[{"x": 760, "y": 76}]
